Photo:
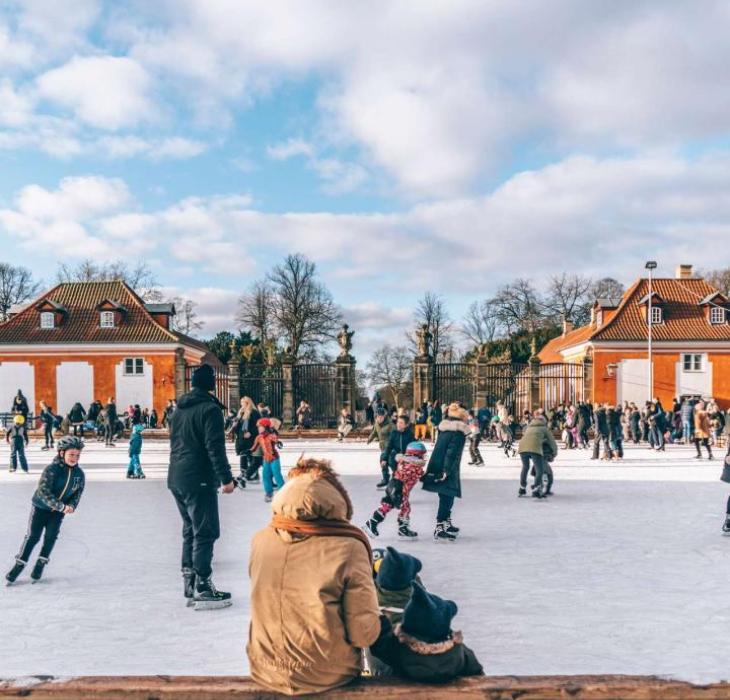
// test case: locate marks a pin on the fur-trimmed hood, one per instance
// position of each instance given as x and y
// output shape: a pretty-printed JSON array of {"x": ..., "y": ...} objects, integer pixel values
[
  {"x": 422, "y": 648},
  {"x": 449, "y": 424},
  {"x": 313, "y": 491}
]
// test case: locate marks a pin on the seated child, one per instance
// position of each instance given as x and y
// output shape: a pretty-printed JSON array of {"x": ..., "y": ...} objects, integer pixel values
[{"x": 423, "y": 646}]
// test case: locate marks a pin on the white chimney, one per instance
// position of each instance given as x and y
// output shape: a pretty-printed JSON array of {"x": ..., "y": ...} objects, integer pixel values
[
  {"x": 684, "y": 272},
  {"x": 567, "y": 325}
]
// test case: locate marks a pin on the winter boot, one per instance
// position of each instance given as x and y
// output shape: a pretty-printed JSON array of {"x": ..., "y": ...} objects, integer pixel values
[
  {"x": 709, "y": 453},
  {"x": 240, "y": 481},
  {"x": 208, "y": 598},
  {"x": 522, "y": 492},
  {"x": 726, "y": 525},
  {"x": 371, "y": 526},
  {"x": 37, "y": 572},
  {"x": 441, "y": 534},
  {"x": 15, "y": 571},
  {"x": 405, "y": 531},
  {"x": 451, "y": 528},
  {"x": 537, "y": 492},
  {"x": 189, "y": 585},
  {"x": 382, "y": 483}
]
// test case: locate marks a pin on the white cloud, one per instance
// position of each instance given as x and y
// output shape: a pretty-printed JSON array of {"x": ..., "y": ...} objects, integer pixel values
[
  {"x": 107, "y": 92},
  {"x": 16, "y": 109},
  {"x": 173, "y": 148},
  {"x": 289, "y": 149}
]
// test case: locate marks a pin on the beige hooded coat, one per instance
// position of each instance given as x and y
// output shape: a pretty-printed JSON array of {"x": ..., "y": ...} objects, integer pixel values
[{"x": 313, "y": 600}]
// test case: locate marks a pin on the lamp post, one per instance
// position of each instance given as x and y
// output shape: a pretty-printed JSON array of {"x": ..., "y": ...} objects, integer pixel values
[{"x": 651, "y": 266}]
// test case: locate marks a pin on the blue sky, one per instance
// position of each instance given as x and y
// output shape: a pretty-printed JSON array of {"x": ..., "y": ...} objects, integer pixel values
[{"x": 403, "y": 145}]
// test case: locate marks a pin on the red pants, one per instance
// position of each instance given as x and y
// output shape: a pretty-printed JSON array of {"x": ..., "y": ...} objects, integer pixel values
[{"x": 409, "y": 474}]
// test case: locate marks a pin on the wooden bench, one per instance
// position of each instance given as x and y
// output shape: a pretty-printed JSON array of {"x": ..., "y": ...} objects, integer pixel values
[{"x": 485, "y": 688}]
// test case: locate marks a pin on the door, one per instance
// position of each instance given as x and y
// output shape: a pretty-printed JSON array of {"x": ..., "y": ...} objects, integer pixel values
[{"x": 633, "y": 381}]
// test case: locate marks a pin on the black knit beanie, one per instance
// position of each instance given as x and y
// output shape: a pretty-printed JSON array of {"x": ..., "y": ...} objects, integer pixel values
[{"x": 204, "y": 378}]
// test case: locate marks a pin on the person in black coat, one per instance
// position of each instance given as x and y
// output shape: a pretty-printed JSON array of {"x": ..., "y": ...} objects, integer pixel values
[
  {"x": 198, "y": 466},
  {"x": 603, "y": 433},
  {"x": 583, "y": 424},
  {"x": 20, "y": 405},
  {"x": 244, "y": 432},
  {"x": 443, "y": 475},
  {"x": 397, "y": 443},
  {"x": 76, "y": 417}
]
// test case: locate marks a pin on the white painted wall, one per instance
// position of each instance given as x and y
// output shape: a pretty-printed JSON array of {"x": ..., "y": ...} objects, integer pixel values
[
  {"x": 633, "y": 381},
  {"x": 133, "y": 389},
  {"x": 14, "y": 376},
  {"x": 74, "y": 382},
  {"x": 699, "y": 383}
]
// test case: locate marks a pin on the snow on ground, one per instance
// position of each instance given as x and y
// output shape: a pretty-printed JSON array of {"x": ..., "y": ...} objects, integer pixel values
[{"x": 623, "y": 571}]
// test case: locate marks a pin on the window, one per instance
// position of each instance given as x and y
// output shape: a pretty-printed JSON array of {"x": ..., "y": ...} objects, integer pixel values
[
  {"x": 48, "y": 320},
  {"x": 717, "y": 314},
  {"x": 107, "y": 319},
  {"x": 133, "y": 366},
  {"x": 692, "y": 362},
  {"x": 656, "y": 315}
]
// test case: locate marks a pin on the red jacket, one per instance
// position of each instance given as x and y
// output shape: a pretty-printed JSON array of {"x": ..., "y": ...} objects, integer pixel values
[{"x": 267, "y": 443}]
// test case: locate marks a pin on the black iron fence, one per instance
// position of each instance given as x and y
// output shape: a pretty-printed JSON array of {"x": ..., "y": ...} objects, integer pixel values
[
  {"x": 316, "y": 384},
  {"x": 561, "y": 382},
  {"x": 455, "y": 381},
  {"x": 221, "y": 383},
  {"x": 263, "y": 384}
]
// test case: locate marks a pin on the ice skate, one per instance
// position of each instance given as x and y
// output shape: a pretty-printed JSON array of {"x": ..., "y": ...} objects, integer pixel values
[
  {"x": 382, "y": 484},
  {"x": 15, "y": 571},
  {"x": 441, "y": 534},
  {"x": 451, "y": 528},
  {"x": 371, "y": 526},
  {"x": 207, "y": 597},
  {"x": 726, "y": 525},
  {"x": 405, "y": 532},
  {"x": 268, "y": 498},
  {"x": 37, "y": 572},
  {"x": 240, "y": 481},
  {"x": 522, "y": 492},
  {"x": 189, "y": 586}
]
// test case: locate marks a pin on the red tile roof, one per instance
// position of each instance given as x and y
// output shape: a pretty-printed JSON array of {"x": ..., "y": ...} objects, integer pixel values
[
  {"x": 81, "y": 322},
  {"x": 551, "y": 351}
]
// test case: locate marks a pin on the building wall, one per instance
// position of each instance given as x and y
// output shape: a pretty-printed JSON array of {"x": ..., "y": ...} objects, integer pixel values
[{"x": 104, "y": 375}]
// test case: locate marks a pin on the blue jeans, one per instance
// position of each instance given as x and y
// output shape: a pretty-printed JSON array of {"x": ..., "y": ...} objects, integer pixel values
[
  {"x": 134, "y": 468},
  {"x": 17, "y": 454},
  {"x": 272, "y": 472},
  {"x": 687, "y": 431}
]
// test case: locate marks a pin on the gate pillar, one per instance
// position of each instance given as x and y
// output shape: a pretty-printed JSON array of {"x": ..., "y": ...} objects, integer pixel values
[
  {"x": 234, "y": 379},
  {"x": 179, "y": 373},
  {"x": 534, "y": 382},
  {"x": 287, "y": 375}
]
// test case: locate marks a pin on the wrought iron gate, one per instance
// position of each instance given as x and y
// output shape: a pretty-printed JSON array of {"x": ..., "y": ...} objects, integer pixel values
[
  {"x": 455, "y": 381},
  {"x": 316, "y": 384},
  {"x": 561, "y": 382},
  {"x": 263, "y": 384},
  {"x": 221, "y": 383}
]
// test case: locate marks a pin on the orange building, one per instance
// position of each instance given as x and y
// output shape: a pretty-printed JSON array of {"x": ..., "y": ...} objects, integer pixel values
[
  {"x": 92, "y": 340},
  {"x": 690, "y": 339}
]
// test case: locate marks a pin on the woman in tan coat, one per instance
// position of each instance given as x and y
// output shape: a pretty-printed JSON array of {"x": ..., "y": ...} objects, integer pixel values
[
  {"x": 313, "y": 601},
  {"x": 702, "y": 430}
]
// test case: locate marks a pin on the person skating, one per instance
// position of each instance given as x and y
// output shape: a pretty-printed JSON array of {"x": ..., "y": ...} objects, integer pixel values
[
  {"x": 398, "y": 440},
  {"x": 268, "y": 442},
  {"x": 408, "y": 472},
  {"x": 702, "y": 430},
  {"x": 615, "y": 431},
  {"x": 244, "y": 431},
  {"x": 110, "y": 422},
  {"x": 345, "y": 424},
  {"x": 382, "y": 428},
  {"x": 47, "y": 419},
  {"x": 20, "y": 405},
  {"x": 134, "y": 470},
  {"x": 198, "y": 465},
  {"x": 475, "y": 437},
  {"x": 443, "y": 475},
  {"x": 602, "y": 433},
  {"x": 536, "y": 446},
  {"x": 58, "y": 495},
  {"x": 17, "y": 437},
  {"x": 726, "y": 478}
]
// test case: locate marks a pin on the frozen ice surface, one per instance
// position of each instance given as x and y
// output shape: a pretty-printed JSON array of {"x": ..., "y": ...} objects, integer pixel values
[{"x": 624, "y": 570}]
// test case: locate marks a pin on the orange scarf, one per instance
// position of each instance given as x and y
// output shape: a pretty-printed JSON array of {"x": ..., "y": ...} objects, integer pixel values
[{"x": 322, "y": 528}]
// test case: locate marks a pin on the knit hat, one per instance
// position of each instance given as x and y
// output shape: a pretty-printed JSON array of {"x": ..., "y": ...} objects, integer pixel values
[
  {"x": 264, "y": 422},
  {"x": 138, "y": 428},
  {"x": 380, "y": 412},
  {"x": 378, "y": 556},
  {"x": 428, "y": 617},
  {"x": 204, "y": 378},
  {"x": 397, "y": 571},
  {"x": 416, "y": 449},
  {"x": 18, "y": 419}
]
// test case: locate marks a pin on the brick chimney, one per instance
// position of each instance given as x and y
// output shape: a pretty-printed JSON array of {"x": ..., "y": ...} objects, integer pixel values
[
  {"x": 684, "y": 272},
  {"x": 567, "y": 325}
]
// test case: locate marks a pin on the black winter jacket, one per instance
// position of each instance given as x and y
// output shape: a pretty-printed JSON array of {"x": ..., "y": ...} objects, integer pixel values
[
  {"x": 240, "y": 427},
  {"x": 601, "y": 422},
  {"x": 443, "y": 474},
  {"x": 397, "y": 443},
  {"x": 198, "y": 444},
  {"x": 59, "y": 486}
]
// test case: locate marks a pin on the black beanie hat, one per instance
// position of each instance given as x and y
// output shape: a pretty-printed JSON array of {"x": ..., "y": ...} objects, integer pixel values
[
  {"x": 204, "y": 378},
  {"x": 428, "y": 617},
  {"x": 397, "y": 571}
]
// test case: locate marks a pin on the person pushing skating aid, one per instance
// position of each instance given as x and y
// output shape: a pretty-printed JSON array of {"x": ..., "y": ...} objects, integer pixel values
[{"x": 58, "y": 495}]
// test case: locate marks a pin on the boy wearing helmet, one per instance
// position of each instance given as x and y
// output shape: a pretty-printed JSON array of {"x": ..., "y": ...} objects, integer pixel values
[
  {"x": 17, "y": 436},
  {"x": 58, "y": 494}
]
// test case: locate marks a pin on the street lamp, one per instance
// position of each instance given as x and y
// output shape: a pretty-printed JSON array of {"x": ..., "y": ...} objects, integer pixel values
[{"x": 650, "y": 265}]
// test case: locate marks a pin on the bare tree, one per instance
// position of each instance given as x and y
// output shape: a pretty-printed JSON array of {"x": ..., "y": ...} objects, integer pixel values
[
  {"x": 139, "y": 277},
  {"x": 719, "y": 278},
  {"x": 517, "y": 306},
  {"x": 569, "y": 297},
  {"x": 16, "y": 286},
  {"x": 254, "y": 313},
  {"x": 304, "y": 313},
  {"x": 480, "y": 324},
  {"x": 185, "y": 319},
  {"x": 606, "y": 287},
  {"x": 390, "y": 368},
  {"x": 431, "y": 310}
]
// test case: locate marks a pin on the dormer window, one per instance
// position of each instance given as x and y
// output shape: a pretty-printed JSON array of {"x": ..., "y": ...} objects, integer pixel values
[
  {"x": 48, "y": 320},
  {"x": 656, "y": 315},
  {"x": 717, "y": 315},
  {"x": 107, "y": 319}
]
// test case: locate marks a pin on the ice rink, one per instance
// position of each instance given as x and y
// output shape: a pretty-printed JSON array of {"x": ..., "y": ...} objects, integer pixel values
[{"x": 624, "y": 570}]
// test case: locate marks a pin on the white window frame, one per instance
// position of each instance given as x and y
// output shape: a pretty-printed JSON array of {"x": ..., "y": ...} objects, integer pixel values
[
  {"x": 106, "y": 319},
  {"x": 657, "y": 315},
  {"x": 717, "y": 315},
  {"x": 137, "y": 364},
  {"x": 694, "y": 360},
  {"x": 48, "y": 320}
]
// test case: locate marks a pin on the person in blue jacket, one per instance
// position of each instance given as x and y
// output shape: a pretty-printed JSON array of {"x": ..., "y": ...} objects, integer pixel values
[
  {"x": 134, "y": 470},
  {"x": 58, "y": 495}
]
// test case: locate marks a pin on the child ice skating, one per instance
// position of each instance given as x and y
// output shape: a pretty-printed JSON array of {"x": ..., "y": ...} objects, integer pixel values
[
  {"x": 17, "y": 437},
  {"x": 58, "y": 495},
  {"x": 409, "y": 470},
  {"x": 268, "y": 442},
  {"x": 134, "y": 470}
]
